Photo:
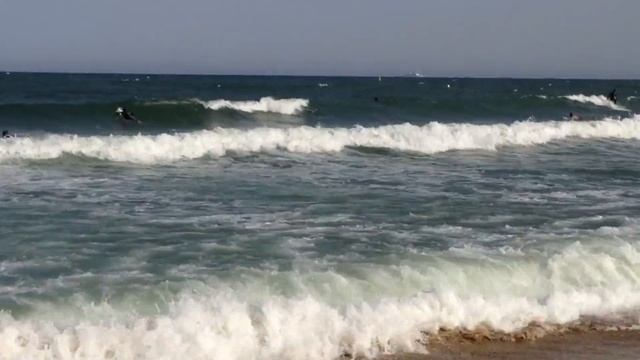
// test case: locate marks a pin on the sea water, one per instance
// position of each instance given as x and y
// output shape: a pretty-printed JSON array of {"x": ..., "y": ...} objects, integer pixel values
[{"x": 308, "y": 218}]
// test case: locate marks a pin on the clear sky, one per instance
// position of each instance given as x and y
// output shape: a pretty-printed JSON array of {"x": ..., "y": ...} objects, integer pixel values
[{"x": 518, "y": 38}]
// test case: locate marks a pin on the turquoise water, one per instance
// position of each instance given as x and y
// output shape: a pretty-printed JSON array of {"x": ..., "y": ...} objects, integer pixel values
[{"x": 281, "y": 218}]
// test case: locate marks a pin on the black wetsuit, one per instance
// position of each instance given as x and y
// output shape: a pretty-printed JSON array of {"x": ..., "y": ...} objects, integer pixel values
[
  {"x": 612, "y": 96},
  {"x": 127, "y": 117}
]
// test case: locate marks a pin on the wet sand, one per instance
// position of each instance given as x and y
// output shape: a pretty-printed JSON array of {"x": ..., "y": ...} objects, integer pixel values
[{"x": 589, "y": 345}]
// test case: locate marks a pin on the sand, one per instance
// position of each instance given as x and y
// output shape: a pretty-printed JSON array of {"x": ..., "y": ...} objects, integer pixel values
[
  {"x": 592, "y": 343},
  {"x": 590, "y": 338}
]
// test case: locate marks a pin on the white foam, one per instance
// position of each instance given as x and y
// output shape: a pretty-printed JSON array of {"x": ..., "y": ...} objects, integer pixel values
[
  {"x": 265, "y": 104},
  {"x": 382, "y": 310},
  {"x": 430, "y": 138},
  {"x": 599, "y": 100}
]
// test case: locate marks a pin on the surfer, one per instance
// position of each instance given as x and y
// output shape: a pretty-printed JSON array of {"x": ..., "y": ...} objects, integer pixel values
[
  {"x": 5, "y": 134},
  {"x": 126, "y": 116},
  {"x": 612, "y": 96},
  {"x": 573, "y": 116}
]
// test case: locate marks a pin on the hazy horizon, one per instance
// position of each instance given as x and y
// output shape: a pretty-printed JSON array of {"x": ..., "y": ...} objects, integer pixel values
[
  {"x": 409, "y": 76},
  {"x": 574, "y": 39}
]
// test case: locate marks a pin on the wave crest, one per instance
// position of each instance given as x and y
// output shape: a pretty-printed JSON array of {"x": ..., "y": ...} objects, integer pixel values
[
  {"x": 599, "y": 100},
  {"x": 265, "y": 104},
  {"x": 430, "y": 138},
  {"x": 222, "y": 322}
]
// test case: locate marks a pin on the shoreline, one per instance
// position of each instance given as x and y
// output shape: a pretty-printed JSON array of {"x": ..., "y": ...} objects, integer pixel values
[
  {"x": 620, "y": 345},
  {"x": 588, "y": 341}
]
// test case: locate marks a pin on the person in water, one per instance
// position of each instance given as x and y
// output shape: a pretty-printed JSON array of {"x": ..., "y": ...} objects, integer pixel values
[
  {"x": 573, "y": 116},
  {"x": 5, "y": 134},
  {"x": 612, "y": 96},
  {"x": 126, "y": 116}
]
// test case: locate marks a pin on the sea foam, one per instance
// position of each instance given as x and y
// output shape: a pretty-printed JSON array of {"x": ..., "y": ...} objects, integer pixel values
[
  {"x": 430, "y": 138},
  {"x": 599, "y": 100},
  {"x": 265, "y": 104},
  {"x": 251, "y": 321}
]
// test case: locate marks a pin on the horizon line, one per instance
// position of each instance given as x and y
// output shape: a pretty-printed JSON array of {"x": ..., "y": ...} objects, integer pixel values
[{"x": 407, "y": 76}]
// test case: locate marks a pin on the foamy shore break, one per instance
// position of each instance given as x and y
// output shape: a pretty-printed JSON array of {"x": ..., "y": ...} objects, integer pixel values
[
  {"x": 582, "y": 288},
  {"x": 588, "y": 339}
]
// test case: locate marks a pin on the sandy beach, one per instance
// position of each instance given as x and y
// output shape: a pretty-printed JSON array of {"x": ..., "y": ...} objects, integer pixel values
[{"x": 570, "y": 344}]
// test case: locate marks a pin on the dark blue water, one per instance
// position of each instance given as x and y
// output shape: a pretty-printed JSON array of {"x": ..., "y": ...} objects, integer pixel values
[{"x": 75, "y": 102}]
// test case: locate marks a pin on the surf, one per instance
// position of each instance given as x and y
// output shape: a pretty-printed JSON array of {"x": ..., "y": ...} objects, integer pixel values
[
  {"x": 265, "y": 104},
  {"x": 598, "y": 100},
  {"x": 328, "y": 314},
  {"x": 430, "y": 138}
]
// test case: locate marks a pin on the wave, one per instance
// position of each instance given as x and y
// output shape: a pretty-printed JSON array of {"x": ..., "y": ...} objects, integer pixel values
[
  {"x": 265, "y": 104},
  {"x": 251, "y": 319},
  {"x": 428, "y": 139},
  {"x": 155, "y": 114},
  {"x": 599, "y": 100},
  {"x": 96, "y": 115}
]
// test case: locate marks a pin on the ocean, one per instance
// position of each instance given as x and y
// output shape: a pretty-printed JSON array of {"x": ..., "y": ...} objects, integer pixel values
[{"x": 310, "y": 217}]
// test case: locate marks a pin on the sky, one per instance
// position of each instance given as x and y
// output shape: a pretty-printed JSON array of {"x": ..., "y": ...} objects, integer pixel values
[{"x": 483, "y": 38}]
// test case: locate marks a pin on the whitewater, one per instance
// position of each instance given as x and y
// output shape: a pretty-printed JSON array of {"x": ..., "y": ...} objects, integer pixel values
[
  {"x": 599, "y": 100},
  {"x": 428, "y": 139},
  {"x": 235, "y": 321},
  {"x": 265, "y": 104}
]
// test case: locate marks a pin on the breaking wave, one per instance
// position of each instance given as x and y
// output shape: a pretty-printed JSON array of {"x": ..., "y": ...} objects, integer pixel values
[
  {"x": 430, "y": 138},
  {"x": 265, "y": 104},
  {"x": 504, "y": 290},
  {"x": 599, "y": 100}
]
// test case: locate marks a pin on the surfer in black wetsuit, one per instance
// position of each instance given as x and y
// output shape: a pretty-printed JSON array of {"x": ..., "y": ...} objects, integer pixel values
[
  {"x": 126, "y": 117},
  {"x": 612, "y": 96},
  {"x": 5, "y": 134}
]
